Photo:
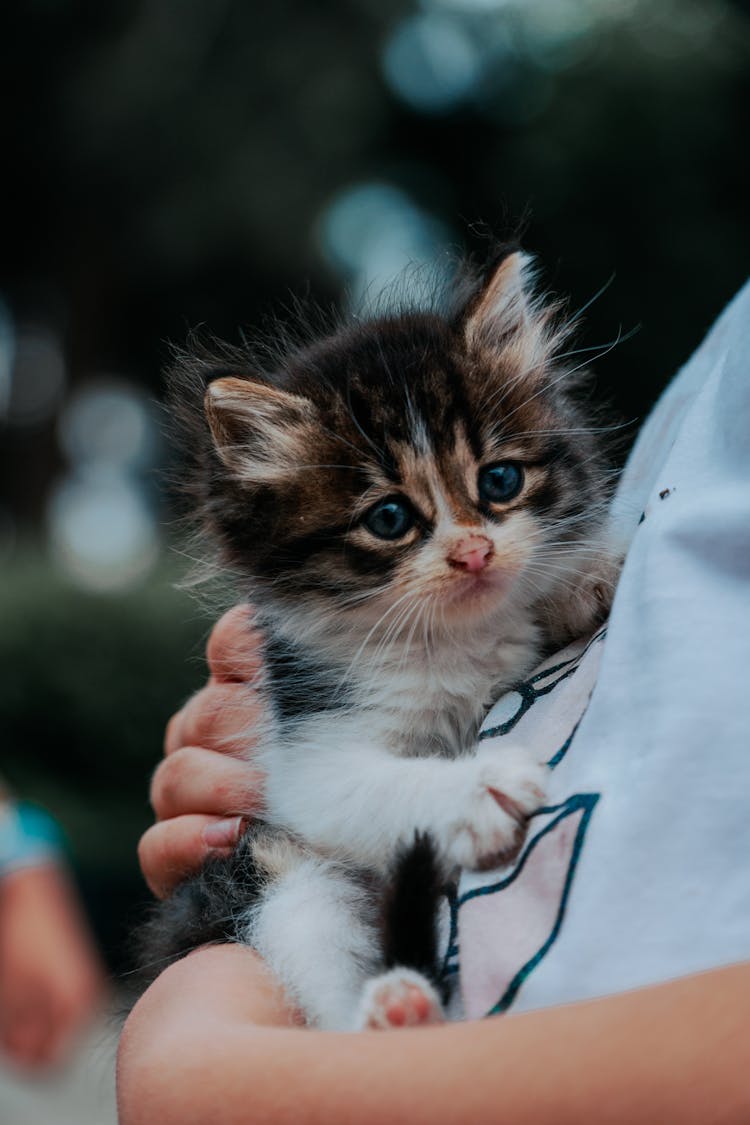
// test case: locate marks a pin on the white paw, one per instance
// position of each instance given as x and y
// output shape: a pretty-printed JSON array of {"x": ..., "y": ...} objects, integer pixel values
[
  {"x": 505, "y": 786},
  {"x": 398, "y": 998}
]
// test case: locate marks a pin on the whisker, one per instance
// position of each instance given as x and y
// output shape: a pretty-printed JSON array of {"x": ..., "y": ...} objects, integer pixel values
[
  {"x": 575, "y": 430},
  {"x": 565, "y": 374},
  {"x": 619, "y": 339},
  {"x": 576, "y": 316}
]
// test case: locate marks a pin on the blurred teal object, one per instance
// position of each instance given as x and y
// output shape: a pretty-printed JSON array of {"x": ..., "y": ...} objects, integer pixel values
[{"x": 29, "y": 837}]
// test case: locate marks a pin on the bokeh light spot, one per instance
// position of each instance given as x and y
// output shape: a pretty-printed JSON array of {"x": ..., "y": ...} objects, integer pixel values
[
  {"x": 102, "y": 531},
  {"x": 108, "y": 421},
  {"x": 7, "y": 354},
  {"x": 371, "y": 232},
  {"x": 431, "y": 62}
]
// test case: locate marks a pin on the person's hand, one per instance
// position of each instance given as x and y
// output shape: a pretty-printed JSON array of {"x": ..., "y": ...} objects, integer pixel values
[
  {"x": 51, "y": 977},
  {"x": 205, "y": 787}
]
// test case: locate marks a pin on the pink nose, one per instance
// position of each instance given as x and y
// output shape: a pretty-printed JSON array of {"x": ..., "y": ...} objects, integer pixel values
[{"x": 472, "y": 553}]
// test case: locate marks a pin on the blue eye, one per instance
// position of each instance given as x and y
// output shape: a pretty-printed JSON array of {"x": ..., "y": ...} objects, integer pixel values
[
  {"x": 390, "y": 519},
  {"x": 501, "y": 482}
]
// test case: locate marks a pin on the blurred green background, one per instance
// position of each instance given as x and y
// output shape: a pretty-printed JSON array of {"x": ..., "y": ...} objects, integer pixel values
[{"x": 172, "y": 163}]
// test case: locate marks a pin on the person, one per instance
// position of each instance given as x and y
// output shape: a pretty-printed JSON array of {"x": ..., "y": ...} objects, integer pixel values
[
  {"x": 618, "y": 943},
  {"x": 51, "y": 977}
]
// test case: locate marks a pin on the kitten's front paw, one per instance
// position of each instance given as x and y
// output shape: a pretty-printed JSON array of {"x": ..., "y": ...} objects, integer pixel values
[
  {"x": 506, "y": 787},
  {"x": 399, "y": 998}
]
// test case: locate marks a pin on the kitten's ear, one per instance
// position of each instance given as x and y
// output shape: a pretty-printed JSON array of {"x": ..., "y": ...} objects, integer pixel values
[
  {"x": 260, "y": 433},
  {"x": 509, "y": 318},
  {"x": 505, "y": 304}
]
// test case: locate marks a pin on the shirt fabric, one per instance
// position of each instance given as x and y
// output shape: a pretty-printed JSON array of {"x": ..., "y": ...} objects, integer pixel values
[{"x": 638, "y": 868}]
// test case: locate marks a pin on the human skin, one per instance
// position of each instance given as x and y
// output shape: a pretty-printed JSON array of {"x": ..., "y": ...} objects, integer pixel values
[
  {"x": 213, "y": 1036},
  {"x": 206, "y": 784},
  {"x": 213, "y": 1039},
  {"x": 51, "y": 976}
]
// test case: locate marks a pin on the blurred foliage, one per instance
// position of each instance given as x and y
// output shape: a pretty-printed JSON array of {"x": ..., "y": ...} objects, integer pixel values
[{"x": 88, "y": 683}]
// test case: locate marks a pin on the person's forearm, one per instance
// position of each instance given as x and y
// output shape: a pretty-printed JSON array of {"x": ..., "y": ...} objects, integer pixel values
[{"x": 212, "y": 1039}]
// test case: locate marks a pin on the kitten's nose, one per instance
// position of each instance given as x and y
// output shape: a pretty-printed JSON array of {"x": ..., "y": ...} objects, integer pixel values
[{"x": 472, "y": 553}]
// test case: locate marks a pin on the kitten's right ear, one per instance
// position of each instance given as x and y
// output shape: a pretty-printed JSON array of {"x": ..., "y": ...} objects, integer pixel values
[
  {"x": 507, "y": 316},
  {"x": 260, "y": 433}
]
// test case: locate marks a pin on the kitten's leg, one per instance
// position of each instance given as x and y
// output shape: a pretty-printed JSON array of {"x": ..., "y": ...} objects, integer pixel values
[
  {"x": 474, "y": 808},
  {"x": 317, "y": 926},
  {"x": 490, "y": 820},
  {"x": 316, "y": 929}
]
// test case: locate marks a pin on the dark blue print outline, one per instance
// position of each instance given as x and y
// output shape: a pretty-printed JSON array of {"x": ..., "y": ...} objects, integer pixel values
[
  {"x": 558, "y": 756},
  {"x": 450, "y": 960},
  {"x": 530, "y": 692},
  {"x": 580, "y": 801}
]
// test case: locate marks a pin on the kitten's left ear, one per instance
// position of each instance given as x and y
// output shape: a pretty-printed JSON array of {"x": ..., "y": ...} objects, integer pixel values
[
  {"x": 259, "y": 432},
  {"x": 505, "y": 304}
]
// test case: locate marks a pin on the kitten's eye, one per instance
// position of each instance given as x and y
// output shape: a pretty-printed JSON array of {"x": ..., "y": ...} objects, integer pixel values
[
  {"x": 390, "y": 519},
  {"x": 501, "y": 482}
]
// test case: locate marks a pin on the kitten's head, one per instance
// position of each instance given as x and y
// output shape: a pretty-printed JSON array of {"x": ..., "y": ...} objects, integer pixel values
[{"x": 416, "y": 470}]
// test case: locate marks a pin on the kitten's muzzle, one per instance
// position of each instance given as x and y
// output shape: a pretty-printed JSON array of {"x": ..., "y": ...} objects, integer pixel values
[{"x": 471, "y": 554}]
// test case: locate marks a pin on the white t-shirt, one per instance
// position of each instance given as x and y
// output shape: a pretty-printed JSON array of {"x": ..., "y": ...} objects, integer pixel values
[{"x": 638, "y": 869}]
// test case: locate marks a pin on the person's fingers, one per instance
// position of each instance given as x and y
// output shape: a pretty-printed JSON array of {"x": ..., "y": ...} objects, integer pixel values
[
  {"x": 29, "y": 1029},
  {"x": 172, "y": 734},
  {"x": 54, "y": 1037},
  {"x": 173, "y": 849},
  {"x": 62, "y": 1036},
  {"x": 41, "y": 1032},
  {"x": 74, "y": 1013},
  {"x": 234, "y": 647},
  {"x": 196, "y": 780},
  {"x": 219, "y": 716}
]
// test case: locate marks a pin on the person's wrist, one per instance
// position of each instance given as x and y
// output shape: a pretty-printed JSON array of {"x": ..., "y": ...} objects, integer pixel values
[{"x": 29, "y": 837}]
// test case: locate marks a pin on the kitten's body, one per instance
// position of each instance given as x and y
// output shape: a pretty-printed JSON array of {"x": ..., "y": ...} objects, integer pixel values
[{"x": 417, "y": 506}]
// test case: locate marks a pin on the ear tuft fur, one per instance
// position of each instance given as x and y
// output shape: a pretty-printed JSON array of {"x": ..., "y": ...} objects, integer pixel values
[
  {"x": 507, "y": 314},
  {"x": 504, "y": 304},
  {"x": 257, "y": 429}
]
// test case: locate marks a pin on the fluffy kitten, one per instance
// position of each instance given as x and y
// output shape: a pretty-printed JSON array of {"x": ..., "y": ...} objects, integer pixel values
[{"x": 415, "y": 506}]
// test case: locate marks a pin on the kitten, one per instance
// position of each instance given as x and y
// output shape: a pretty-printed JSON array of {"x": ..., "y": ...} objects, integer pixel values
[{"x": 415, "y": 506}]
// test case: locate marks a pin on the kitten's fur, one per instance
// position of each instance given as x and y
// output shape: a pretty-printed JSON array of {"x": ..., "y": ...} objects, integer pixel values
[{"x": 383, "y": 655}]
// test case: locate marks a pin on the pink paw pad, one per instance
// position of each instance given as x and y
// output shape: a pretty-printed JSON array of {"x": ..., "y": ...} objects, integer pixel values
[{"x": 400, "y": 998}]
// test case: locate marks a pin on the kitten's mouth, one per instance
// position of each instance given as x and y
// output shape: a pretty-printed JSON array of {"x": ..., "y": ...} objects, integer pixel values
[{"x": 490, "y": 584}]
